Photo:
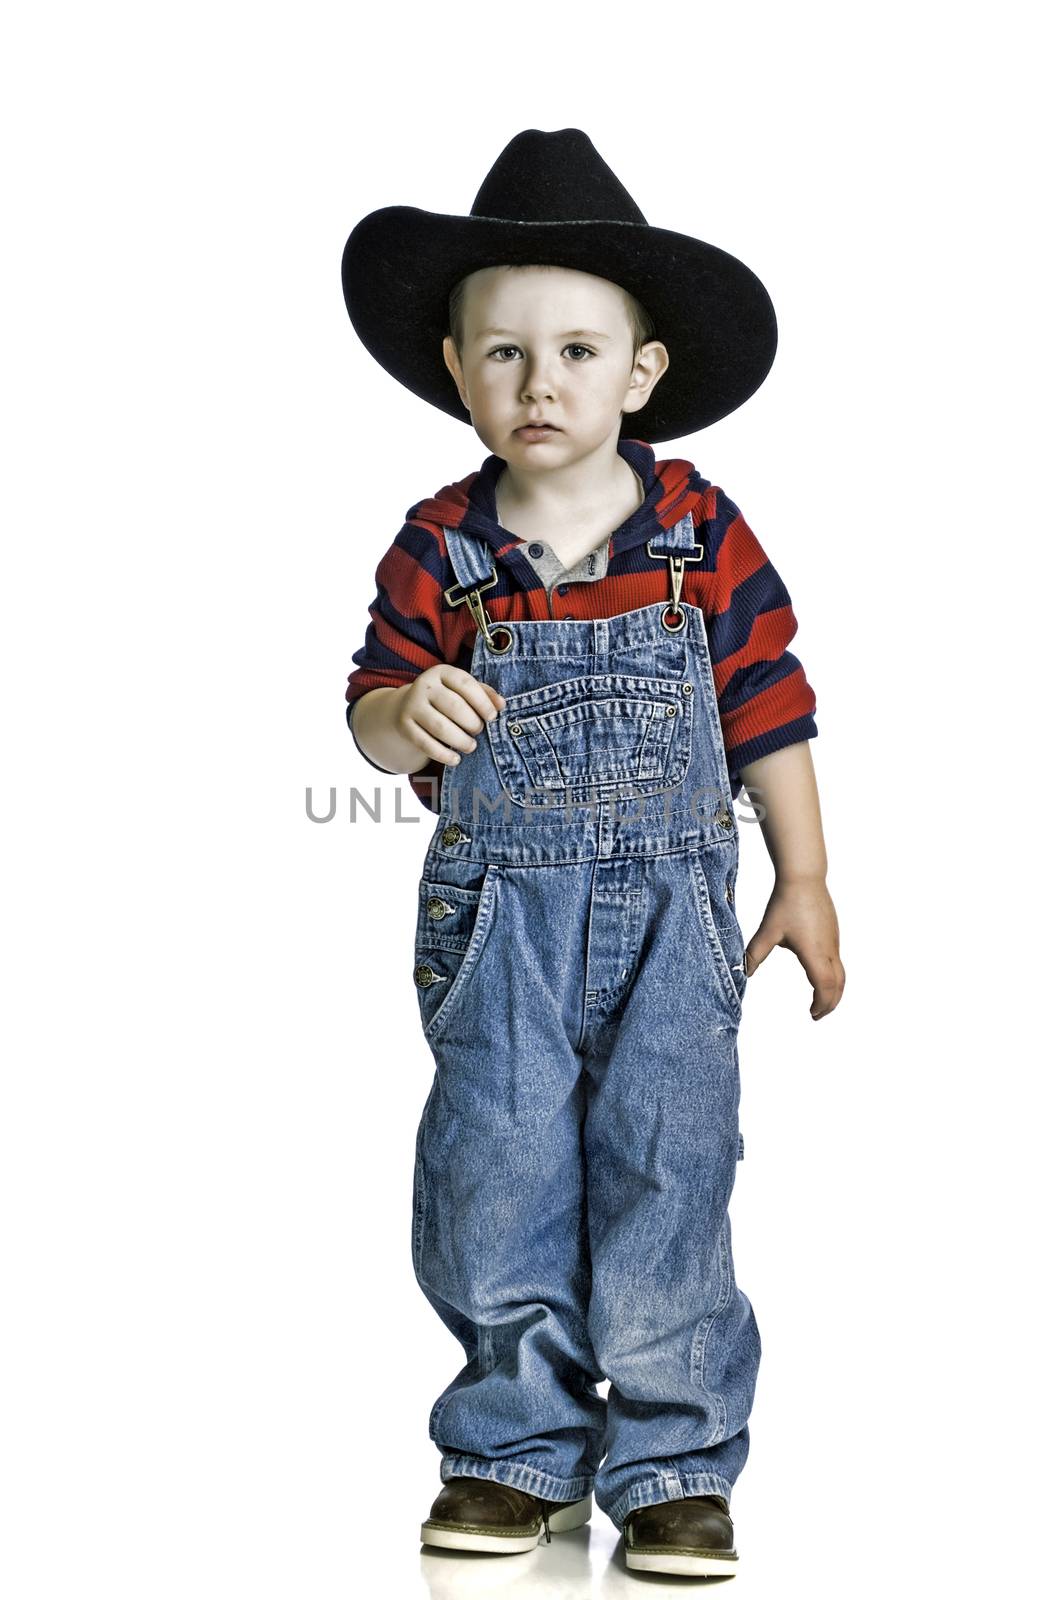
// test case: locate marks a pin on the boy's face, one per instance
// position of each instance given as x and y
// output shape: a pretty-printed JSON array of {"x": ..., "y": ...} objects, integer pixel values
[{"x": 550, "y": 343}]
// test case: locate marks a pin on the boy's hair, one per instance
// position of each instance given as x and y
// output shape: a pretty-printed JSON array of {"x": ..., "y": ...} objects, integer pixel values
[{"x": 642, "y": 329}]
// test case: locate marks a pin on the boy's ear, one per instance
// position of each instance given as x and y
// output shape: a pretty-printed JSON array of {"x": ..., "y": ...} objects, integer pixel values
[
  {"x": 647, "y": 370},
  {"x": 453, "y": 361}
]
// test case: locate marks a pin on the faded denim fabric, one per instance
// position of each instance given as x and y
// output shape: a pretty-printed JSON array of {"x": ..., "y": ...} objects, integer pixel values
[{"x": 579, "y": 969}]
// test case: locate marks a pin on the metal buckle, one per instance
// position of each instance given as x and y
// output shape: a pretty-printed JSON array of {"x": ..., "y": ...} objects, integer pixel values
[
  {"x": 471, "y": 598},
  {"x": 453, "y": 598},
  {"x": 670, "y": 555},
  {"x": 676, "y": 565}
]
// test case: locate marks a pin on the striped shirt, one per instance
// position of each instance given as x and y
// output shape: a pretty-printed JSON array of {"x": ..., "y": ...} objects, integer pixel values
[{"x": 764, "y": 697}]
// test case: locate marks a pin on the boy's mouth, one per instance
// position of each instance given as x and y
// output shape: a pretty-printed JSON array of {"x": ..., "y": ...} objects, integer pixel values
[{"x": 531, "y": 428}]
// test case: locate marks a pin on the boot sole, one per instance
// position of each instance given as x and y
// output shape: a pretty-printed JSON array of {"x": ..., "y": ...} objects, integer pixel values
[
  {"x": 449, "y": 1537},
  {"x": 687, "y": 1563}
]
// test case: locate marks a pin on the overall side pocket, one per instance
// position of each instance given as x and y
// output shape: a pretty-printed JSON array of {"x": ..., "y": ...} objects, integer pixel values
[
  {"x": 714, "y": 868},
  {"x": 453, "y": 923}
]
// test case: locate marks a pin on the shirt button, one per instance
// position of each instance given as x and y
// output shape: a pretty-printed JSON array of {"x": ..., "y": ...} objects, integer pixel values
[
  {"x": 535, "y": 549},
  {"x": 568, "y": 616},
  {"x": 562, "y": 588}
]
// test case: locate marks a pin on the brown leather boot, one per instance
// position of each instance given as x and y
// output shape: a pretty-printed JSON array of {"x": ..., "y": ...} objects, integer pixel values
[
  {"x": 693, "y": 1536},
  {"x": 480, "y": 1514}
]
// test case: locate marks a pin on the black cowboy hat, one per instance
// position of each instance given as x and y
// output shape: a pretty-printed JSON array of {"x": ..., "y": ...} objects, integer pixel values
[{"x": 551, "y": 200}]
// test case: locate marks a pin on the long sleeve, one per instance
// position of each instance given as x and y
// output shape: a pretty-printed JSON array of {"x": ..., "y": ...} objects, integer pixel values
[
  {"x": 765, "y": 700},
  {"x": 403, "y": 638}
]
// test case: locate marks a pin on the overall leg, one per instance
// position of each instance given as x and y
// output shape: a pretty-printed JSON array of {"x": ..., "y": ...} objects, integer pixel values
[
  {"x": 500, "y": 1228},
  {"x": 670, "y": 1328}
]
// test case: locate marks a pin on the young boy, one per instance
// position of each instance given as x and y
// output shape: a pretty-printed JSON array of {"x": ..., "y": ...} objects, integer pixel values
[{"x": 579, "y": 656}]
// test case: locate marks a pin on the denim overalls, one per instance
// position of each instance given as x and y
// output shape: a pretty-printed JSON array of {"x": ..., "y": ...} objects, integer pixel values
[{"x": 580, "y": 973}]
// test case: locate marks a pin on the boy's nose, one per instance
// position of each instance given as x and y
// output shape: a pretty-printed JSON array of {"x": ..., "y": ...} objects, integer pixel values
[{"x": 539, "y": 378}]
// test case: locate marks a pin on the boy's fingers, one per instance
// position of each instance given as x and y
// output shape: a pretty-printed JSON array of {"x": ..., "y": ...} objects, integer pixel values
[
  {"x": 435, "y": 751},
  {"x": 448, "y": 724},
  {"x": 448, "y": 721},
  {"x": 755, "y": 953},
  {"x": 483, "y": 699},
  {"x": 430, "y": 727},
  {"x": 457, "y": 707},
  {"x": 825, "y": 973},
  {"x": 827, "y": 988}
]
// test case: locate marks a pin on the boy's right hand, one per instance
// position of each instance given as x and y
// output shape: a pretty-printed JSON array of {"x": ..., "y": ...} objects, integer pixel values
[
  {"x": 441, "y": 710},
  {"x": 434, "y": 717}
]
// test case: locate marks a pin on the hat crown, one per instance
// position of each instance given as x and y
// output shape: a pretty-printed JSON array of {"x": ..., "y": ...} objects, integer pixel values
[{"x": 553, "y": 177}]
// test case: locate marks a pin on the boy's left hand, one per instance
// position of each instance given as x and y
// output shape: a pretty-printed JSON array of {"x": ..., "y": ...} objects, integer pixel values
[{"x": 800, "y": 916}]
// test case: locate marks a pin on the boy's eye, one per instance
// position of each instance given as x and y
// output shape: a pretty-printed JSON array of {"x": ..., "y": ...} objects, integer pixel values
[{"x": 503, "y": 349}]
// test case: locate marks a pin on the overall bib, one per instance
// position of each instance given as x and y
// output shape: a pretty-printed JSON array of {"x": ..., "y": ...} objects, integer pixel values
[{"x": 580, "y": 973}]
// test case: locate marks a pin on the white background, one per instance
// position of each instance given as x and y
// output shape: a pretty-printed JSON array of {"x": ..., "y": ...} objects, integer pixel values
[{"x": 217, "y": 1364}]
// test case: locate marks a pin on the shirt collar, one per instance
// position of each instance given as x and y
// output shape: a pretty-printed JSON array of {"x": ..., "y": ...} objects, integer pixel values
[{"x": 670, "y": 487}]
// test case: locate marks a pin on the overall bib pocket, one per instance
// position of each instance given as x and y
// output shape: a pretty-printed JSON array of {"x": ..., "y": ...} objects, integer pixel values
[
  {"x": 662, "y": 656},
  {"x": 714, "y": 868},
  {"x": 601, "y": 736},
  {"x": 453, "y": 922}
]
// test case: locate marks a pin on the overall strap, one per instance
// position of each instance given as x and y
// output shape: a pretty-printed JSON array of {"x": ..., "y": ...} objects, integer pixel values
[
  {"x": 470, "y": 558},
  {"x": 678, "y": 540},
  {"x": 475, "y": 568},
  {"x": 677, "y": 546}
]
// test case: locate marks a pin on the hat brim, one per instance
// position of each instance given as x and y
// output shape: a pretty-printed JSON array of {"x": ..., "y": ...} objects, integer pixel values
[{"x": 711, "y": 312}]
